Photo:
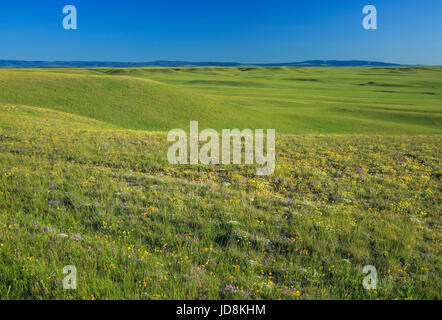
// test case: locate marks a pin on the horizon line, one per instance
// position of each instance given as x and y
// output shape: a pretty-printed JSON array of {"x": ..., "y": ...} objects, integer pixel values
[{"x": 12, "y": 63}]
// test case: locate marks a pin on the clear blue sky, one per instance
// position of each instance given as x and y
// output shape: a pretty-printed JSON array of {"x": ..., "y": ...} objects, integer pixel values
[{"x": 409, "y": 31}]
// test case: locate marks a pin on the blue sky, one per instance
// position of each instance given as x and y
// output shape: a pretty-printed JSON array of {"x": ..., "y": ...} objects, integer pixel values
[{"x": 409, "y": 31}]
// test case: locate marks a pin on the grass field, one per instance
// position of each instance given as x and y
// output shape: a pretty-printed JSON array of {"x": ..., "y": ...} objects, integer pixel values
[
  {"x": 290, "y": 100},
  {"x": 85, "y": 181}
]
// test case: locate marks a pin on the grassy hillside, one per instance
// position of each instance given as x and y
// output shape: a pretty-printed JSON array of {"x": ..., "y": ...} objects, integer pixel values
[
  {"x": 84, "y": 181},
  {"x": 291, "y": 100}
]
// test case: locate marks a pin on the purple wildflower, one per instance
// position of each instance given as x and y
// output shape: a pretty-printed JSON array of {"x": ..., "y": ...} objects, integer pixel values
[
  {"x": 77, "y": 237},
  {"x": 230, "y": 288},
  {"x": 49, "y": 230}
]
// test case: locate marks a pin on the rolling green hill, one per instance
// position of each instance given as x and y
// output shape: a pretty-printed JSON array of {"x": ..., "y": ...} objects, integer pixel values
[{"x": 403, "y": 100}]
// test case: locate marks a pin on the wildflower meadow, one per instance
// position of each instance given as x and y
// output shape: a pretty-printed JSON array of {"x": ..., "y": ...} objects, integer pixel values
[{"x": 85, "y": 182}]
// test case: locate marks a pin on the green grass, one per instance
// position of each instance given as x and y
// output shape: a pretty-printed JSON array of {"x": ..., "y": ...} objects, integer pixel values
[
  {"x": 357, "y": 182},
  {"x": 290, "y": 100}
]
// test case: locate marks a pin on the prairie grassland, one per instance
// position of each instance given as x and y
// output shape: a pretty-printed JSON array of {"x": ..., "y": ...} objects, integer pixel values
[
  {"x": 78, "y": 187},
  {"x": 290, "y": 100}
]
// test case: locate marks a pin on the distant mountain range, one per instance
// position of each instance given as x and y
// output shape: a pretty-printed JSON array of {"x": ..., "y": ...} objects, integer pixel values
[{"x": 90, "y": 64}]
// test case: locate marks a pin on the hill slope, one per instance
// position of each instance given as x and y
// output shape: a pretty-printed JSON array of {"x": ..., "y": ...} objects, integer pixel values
[
  {"x": 290, "y": 100},
  {"x": 74, "y": 191}
]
